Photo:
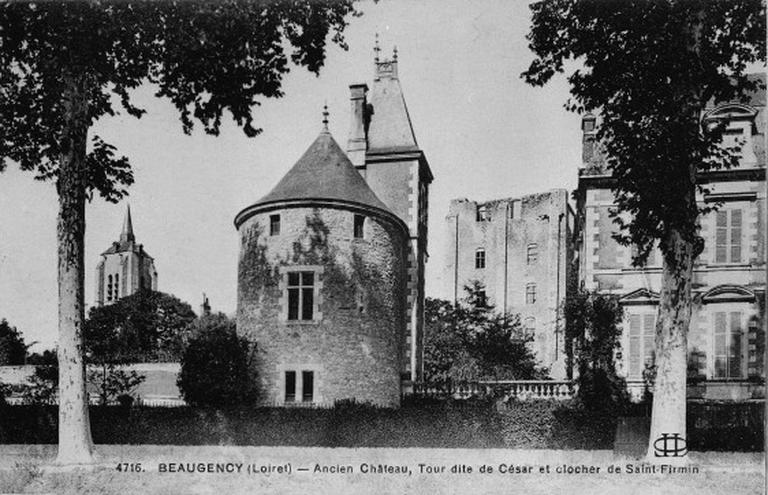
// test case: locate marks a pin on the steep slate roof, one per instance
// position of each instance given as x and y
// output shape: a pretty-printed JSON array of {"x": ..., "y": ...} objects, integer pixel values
[
  {"x": 324, "y": 172},
  {"x": 390, "y": 126}
]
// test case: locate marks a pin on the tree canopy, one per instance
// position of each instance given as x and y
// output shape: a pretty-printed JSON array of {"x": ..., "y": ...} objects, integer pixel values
[
  {"x": 13, "y": 350},
  {"x": 64, "y": 65},
  {"x": 145, "y": 326},
  {"x": 472, "y": 341},
  {"x": 206, "y": 57},
  {"x": 649, "y": 67}
]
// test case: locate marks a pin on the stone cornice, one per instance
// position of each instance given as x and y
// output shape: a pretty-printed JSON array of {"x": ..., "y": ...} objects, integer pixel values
[{"x": 336, "y": 204}]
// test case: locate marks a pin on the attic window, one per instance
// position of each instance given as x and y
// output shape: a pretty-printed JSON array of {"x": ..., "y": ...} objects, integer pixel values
[
  {"x": 359, "y": 224},
  {"x": 274, "y": 225}
]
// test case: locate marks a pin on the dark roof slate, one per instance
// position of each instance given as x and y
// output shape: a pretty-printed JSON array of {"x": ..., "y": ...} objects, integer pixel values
[{"x": 324, "y": 172}]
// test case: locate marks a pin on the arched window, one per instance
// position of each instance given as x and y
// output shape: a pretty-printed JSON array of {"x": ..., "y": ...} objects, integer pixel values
[
  {"x": 109, "y": 287},
  {"x": 532, "y": 253},
  {"x": 530, "y": 293},
  {"x": 480, "y": 258}
]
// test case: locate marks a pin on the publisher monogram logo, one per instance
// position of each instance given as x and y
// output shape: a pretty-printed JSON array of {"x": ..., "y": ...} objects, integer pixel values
[{"x": 670, "y": 445}]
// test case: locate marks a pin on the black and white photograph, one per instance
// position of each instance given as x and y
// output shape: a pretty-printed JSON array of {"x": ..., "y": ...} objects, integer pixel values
[{"x": 383, "y": 246}]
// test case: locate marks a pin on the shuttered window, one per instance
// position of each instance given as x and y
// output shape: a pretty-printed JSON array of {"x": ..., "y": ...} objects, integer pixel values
[
  {"x": 728, "y": 236},
  {"x": 642, "y": 331},
  {"x": 727, "y": 345}
]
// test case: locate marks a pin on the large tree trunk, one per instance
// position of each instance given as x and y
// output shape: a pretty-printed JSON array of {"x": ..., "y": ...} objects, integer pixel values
[
  {"x": 669, "y": 397},
  {"x": 75, "y": 444}
]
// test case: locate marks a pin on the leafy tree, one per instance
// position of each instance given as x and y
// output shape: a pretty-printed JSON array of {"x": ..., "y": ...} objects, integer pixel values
[
  {"x": 145, "y": 326},
  {"x": 216, "y": 365},
  {"x": 593, "y": 327},
  {"x": 12, "y": 347},
  {"x": 649, "y": 67},
  {"x": 114, "y": 382},
  {"x": 472, "y": 341},
  {"x": 64, "y": 64}
]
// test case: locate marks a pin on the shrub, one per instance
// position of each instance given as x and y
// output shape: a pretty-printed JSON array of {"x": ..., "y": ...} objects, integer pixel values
[
  {"x": 114, "y": 383},
  {"x": 215, "y": 366}
]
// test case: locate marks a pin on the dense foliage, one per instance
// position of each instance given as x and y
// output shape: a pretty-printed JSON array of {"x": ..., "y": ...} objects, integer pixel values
[
  {"x": 216, "y": 365},
  {"x": 13, "y": 350},
  {"x": 145, "y": 326},
  {"x": 64, "y": 65},
  {"x": 593, "y": 327},
  {"x": 649, "y": 68},
  {"x": 471, "y": 341}
]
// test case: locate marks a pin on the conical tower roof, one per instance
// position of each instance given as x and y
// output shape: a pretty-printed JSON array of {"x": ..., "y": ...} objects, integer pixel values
[{"x": 324, "y": 172}]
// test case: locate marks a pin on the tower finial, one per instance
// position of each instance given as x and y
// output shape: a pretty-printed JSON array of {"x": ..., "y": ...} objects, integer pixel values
[
  {"x": 325, "y": 116},
  {"x": 394, "y": 54},
  {"x": 127, "y": 234},
  {"x": 376, "y": 49}
]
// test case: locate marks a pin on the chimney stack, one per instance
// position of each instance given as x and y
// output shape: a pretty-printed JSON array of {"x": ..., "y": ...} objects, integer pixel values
[{"x": 358, "y": 139}]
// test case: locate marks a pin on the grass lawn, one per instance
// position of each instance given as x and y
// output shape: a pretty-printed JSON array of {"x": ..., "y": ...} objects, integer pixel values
[{"x": 24, "y": 469}]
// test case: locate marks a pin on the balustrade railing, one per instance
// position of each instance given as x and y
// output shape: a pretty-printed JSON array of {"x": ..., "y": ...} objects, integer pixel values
[{"x": 499, "y": 389}]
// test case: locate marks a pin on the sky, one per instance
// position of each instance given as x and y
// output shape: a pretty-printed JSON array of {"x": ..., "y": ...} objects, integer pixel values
[{"x": 485, "y": 133}]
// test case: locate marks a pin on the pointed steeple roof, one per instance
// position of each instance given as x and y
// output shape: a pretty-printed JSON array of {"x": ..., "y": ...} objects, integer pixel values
[
  {"x": 127, "y": 240},
  {"x": 390, "y": 126},
  {"x": 324, "y": 172},
  {"x": 127, "y": 234}
]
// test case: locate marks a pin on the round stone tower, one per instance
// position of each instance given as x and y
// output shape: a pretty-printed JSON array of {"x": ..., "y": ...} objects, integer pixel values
[{"x": 321, "y": 285}]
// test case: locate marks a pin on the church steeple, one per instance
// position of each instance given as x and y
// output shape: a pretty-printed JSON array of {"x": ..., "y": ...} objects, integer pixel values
[{"x": 127, "y": 234}]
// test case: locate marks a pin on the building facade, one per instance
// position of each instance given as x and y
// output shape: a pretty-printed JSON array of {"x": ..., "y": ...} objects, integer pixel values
[
  {"x": 383, "y": 148},
  {"x": 519, "y": 250},
  {"x": 124, "y": 268},
  {"x": 726, "y": 339},
  {"x": 322, "y": 285}
]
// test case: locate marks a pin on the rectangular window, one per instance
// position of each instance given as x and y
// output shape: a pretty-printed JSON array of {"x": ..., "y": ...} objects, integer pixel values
[
  {"x": 530, "y": 293},
  {"x": 480, "y": 258},
  {"x": 728, "y": 236},
  {"x": 359, "y": 223},
  {"x": 482, "y": 214},
  {"x": 532, "y": 253},
  {"x": 274, "y": 225},
  {"x": 642, "y": 343},
  {"x": 290, "y": 386},
  {"x": 727, "y": 345},
  {"x": 482, "y": 300},
  {"x": 301, "y": 295},
  {"x": 308, "y": 386}
]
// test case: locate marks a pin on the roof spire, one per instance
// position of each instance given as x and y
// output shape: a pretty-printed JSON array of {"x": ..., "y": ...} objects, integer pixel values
[
  {"x": 325, "y": 117},
  {"x": 127, "y": 234},
  {"x": 376, "y": 49}
]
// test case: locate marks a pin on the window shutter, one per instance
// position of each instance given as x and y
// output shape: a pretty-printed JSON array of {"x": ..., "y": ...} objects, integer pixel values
[
  {"x": 735, "y": 236},
  {"x": 721, "y": 240},
  {"x": 720, "y": 343},
  {"x": 635, "y": 370},
  {"x": 734, "y": 356},
  {"x": 649, "y": 334}
]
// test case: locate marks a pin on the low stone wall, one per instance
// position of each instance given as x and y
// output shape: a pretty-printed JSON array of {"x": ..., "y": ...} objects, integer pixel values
[{"x": 159, "y": 389}]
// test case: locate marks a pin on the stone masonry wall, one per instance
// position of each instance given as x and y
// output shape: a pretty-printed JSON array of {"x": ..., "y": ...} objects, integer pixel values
[{"x": 355, "y": 347}]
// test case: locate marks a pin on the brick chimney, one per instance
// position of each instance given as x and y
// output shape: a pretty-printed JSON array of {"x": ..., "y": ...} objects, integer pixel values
[{"x": 358, "y": 142}]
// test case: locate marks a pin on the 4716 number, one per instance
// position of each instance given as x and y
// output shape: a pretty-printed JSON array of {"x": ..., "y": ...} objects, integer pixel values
[{"x": 129, "y": 467}]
